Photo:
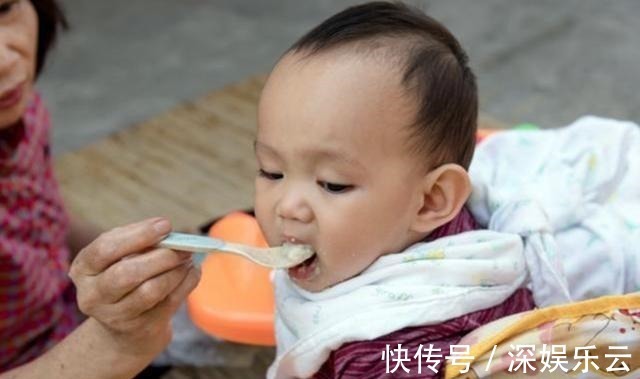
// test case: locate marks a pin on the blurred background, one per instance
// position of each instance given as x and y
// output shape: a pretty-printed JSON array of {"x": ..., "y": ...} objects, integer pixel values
[{"x": 123, "y": 61}]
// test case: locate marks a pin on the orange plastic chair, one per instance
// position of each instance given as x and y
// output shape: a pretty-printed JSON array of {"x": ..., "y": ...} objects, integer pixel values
[{"x": 234, "y": 299}]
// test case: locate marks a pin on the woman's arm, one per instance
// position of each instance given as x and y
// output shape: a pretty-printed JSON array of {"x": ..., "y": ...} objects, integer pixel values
[{"x": 91, "y": 351}]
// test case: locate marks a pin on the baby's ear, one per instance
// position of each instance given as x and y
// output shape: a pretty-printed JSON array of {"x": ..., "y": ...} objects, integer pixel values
[{"x": 444, "y": 192}]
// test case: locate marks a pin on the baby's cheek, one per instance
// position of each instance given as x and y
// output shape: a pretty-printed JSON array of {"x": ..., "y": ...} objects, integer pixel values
[{"x": 353, "y": 261}]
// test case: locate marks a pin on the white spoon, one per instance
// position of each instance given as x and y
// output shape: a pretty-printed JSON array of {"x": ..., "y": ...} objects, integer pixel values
[{"x": 284, "y": 256}]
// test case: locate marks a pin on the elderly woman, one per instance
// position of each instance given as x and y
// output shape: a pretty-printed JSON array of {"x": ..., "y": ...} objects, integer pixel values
[{"x": 129, "y": 301}]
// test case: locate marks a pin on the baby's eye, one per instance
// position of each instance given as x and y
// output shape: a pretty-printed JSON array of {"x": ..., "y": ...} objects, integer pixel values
[
  {"x": 334, "y": 187},
  {"x": 270, "y": 175}
]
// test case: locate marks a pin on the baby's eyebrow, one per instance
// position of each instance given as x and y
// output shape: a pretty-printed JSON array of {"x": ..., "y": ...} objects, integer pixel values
[
  {"x": 337, "y": 156},
  {"x": 320, "y": 154}
]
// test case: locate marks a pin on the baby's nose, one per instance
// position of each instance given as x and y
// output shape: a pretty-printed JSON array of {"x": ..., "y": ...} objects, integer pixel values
[{"x": 294, "y": 206}]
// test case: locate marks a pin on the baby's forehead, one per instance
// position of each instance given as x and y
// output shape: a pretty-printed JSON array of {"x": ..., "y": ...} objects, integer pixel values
[
  {"x": 338, "y": 91},
  {"x": 344, "y": 79},
  {"x": 341, "y": 72}
]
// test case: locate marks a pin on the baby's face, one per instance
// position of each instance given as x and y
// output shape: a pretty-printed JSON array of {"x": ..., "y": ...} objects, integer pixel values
[
  {"x": 18, "y": 42},
  {"x": 334, "y": 168}
]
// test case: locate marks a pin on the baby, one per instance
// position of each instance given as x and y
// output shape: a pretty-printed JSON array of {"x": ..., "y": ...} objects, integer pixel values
[{"x": 366, "y": 129}]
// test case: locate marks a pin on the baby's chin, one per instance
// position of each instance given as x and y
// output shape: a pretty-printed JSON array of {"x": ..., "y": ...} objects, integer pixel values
[{"x": 313, "y": 286}]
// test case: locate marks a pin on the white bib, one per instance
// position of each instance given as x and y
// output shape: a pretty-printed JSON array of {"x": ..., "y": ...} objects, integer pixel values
[{"x": 428, "y": 283}]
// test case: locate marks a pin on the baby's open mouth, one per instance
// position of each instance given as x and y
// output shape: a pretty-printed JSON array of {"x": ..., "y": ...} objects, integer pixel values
[{"x": 306, "y": 269}]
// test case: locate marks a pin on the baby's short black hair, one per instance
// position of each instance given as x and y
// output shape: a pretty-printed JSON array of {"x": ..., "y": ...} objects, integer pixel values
[
  {"x": 434, "y": 68},
  {"x": 51, "y": 20}
]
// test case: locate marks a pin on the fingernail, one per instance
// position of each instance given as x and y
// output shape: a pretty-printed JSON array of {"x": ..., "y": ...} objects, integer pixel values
[{"x": 162, "y": 226}]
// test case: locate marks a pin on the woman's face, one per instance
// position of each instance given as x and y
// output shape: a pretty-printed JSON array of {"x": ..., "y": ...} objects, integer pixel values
[{"x": 18, "y": 44}]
